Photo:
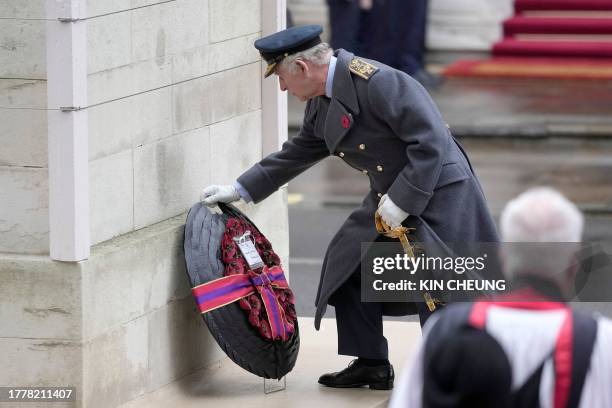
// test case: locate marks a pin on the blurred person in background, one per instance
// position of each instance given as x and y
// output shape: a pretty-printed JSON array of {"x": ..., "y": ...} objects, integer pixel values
[
  {"x": 527, "y": 348},
  {"x": 390, "y": 31}
]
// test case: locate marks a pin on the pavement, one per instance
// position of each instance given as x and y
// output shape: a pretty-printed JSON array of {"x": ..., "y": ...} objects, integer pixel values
[{"x": 227, "y": 385}]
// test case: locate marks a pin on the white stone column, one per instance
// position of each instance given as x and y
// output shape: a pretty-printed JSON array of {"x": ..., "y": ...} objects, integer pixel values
[
  {"x": 67, "y": 130},
  {"x": 273, "y": 101}
]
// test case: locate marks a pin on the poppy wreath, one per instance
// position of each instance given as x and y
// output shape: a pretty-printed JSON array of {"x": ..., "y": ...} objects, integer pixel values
[
  {"x": 259, "y": 306},
  {"x": 234, "y": 300}
]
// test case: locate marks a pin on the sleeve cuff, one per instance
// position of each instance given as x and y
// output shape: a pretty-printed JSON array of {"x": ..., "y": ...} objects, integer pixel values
[
  {"x": 257, "y": 183},
  {"x": 244, "y": 194},
  {"x": 408, "y": 197}
]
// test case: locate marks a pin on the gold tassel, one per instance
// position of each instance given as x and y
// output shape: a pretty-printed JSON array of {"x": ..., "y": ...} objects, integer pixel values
[{"x": 401, "y": 233}]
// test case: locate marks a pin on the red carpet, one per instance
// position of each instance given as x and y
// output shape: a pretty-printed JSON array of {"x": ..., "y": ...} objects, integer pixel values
[
  {"x": 563, "y": 5},
  {"x": 550, "y": 44},
  {"x": 532, "y": 68},
  {"x": 545, "y": 25},
  {"x": 577, "y": 49}
]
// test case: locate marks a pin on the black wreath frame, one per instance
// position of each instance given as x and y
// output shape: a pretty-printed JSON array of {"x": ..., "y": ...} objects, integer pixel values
[{"x": 229, "y": 324}]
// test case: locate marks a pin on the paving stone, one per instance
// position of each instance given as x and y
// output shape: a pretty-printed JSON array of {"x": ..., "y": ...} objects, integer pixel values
[
  {"x": 23, "y": 137},
  {"x": 192, "y": 104},
  {"x": 231, "y": 19},
  {"x": 180, "y": 343},
  {"x": 169, "y": 176},
  {"x": 23, "y": 9},
  {"x": 116, "y": 365},
  {"x": 24, "y": 210},
  {"x": 111, "y": 196},
  {"x": 108, "y": 42},
  {"x": 23, "y": 49},
  {"x": 225, "y": 137},
  {"x": 99, "y": 7},
  {"x": 39, "y": 299},
  {"x": 235, "y": 91},
  {"x": 128, "y": 80},
  {"x": 110, "y": 128}
]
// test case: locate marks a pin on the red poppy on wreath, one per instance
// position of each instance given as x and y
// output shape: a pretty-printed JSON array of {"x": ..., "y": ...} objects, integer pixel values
[{"x": 345, "y": 121}]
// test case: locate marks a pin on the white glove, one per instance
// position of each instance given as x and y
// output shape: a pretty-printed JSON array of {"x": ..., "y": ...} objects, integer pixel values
[
  {"x": 211, "y": 195},
  {"x": 390, "y": 212}
]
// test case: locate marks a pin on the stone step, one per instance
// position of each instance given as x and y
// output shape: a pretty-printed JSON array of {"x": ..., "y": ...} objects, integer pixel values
[{"x": 225, "y": 385}]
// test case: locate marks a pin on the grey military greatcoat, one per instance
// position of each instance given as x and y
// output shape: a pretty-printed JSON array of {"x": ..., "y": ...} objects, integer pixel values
[{"x": 385, "y": 125}]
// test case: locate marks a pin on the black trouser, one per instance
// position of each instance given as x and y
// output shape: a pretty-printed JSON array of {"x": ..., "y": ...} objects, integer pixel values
[
  {"x": 359, "y": 324},
  {"x": 345, "y": 23},
  {"x": 408, "y": 21},
  {"x": 392, "y": 32}
]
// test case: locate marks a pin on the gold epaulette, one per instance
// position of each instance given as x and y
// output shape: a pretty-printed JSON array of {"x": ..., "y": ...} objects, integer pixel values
[{"x": 361, "y": 68}]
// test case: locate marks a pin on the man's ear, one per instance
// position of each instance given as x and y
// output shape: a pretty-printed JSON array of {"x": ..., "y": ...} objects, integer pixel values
[{"x": 304, "y": 68}]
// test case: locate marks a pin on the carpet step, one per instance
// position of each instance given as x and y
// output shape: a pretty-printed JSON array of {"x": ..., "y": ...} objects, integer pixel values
[
  {"x": 585, "y": 5},
  {"x": 567, "y": 14},
  {"x": 533, "y": 67},
  {"x": 535, "y": 25},
  {"x": 581, "y": 38},
  {"x": 574, "y": 49}
]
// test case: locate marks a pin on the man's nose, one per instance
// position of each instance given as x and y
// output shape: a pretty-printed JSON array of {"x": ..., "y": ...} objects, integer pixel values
[{"x": 282, "y": 85}]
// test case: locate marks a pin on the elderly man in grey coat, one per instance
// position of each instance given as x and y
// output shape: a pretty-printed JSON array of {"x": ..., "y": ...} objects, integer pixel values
[{"x": 383, "y": 124}]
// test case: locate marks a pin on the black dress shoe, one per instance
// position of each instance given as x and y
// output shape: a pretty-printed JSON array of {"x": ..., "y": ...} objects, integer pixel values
[{"x": 357, "y": 375}]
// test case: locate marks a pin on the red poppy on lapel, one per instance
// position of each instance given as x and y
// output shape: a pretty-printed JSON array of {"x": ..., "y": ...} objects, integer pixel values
[{"x": 345, "y": 121}]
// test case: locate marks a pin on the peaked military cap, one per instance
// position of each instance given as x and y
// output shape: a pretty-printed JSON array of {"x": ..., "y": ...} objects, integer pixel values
[{"x": 274, "y": 47}]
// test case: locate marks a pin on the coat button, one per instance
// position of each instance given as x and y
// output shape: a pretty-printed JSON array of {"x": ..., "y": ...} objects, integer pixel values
[
  {"x": 362, "y": 147},
  {"x": 379, "y": 195},
  {"x": 341, "y": 154},
  {"x": 379, "y": 168}
]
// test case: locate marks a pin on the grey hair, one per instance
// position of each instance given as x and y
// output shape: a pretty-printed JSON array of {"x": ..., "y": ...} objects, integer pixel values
[
  {"x": 545, "y": 230},
  {"x": 320, "y": 54}
]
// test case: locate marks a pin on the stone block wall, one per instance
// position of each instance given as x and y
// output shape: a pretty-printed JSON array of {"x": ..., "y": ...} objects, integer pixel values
[
  {"x": 140, "y": 326},
  {"x": 170, "y": 84},
  {"x": 174, "y": 103},
  {"x": 23, "y": 128}
]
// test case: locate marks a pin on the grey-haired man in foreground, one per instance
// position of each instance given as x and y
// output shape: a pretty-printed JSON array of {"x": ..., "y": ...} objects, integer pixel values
[{"x": 526, "y": 348}]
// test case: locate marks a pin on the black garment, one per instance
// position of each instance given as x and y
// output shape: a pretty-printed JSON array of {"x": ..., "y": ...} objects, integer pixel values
[
  {"x": 392, "y": 31},
  {"x": 465, "y": 366},
  {"x": 471, "y": 370},
  {"x": 407, "y": 29},
  {"x": 360, "y": 324},
  {"x": 358, "y": 374},
  {"x": 345, "y": 23}
]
